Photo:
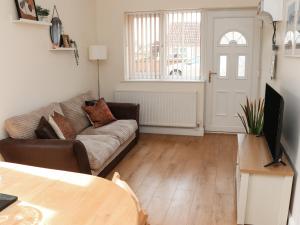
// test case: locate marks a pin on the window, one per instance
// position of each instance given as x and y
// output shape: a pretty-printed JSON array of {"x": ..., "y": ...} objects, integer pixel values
[
  {"x": 242, "y": 66},
  {"x": 163, "y": 46},
  {"x": 223, "y": 66},
  {"x": 233, "y": 38}
]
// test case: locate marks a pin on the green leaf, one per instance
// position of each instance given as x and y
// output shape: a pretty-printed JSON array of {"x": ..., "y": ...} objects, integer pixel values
[{"x": 253, "y": 119}]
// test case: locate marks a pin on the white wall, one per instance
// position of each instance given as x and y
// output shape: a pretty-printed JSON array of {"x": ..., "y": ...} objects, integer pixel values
[
  {"x": 110, "y": 18},
  {"x": 30, "y": 75},
  {"x": 287, "y": 82}
]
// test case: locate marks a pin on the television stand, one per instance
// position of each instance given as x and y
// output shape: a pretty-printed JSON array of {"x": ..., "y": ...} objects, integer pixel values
[
  {"x": 274, "y": 163},
  {"x": 263, "y": 193}
]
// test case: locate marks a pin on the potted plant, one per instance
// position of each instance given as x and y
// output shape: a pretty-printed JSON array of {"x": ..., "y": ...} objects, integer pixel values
[
  {"x": 253, "y": 118},
  {"x": 42, "y": 13}
]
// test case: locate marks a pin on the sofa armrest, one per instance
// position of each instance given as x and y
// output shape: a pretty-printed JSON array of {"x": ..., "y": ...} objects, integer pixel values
[
  {"x": 125, "y": 110},
  {"x": 68, "y": 155}
]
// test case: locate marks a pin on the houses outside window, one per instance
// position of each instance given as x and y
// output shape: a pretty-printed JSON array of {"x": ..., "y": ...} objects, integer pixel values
[{"x": 163, "y": 46}]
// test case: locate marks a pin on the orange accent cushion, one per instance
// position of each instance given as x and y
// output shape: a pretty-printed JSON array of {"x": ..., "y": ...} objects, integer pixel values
[
  {"x": 62, "y": 126},
  {"x": 99, "y": 114}
]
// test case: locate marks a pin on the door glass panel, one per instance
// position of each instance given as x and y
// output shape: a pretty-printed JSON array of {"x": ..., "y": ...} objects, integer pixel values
[
  {"x": 223, "y": 66},
  {"x": 233, "y": 38},
  {"x": 242, "y": 66}
]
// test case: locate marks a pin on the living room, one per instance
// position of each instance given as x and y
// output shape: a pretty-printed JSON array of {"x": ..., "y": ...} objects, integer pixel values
[{"x": 173, "y": 76}]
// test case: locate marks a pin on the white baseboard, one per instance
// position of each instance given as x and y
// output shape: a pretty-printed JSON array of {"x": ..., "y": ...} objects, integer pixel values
[
  {"x": 291, "y": 220},
  {"x": 173, "y": 131}
]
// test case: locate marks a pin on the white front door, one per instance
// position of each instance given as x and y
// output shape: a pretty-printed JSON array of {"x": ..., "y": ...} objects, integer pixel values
[{"x": 233, "y": 54}]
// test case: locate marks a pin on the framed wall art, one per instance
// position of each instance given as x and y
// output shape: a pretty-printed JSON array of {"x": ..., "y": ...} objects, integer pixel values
[
  {"x": 297, "y": 31},
  {"x": 292, "y": 29},
  {"x": 289, "y": 40},
  {"x": 26, "y": 9}
]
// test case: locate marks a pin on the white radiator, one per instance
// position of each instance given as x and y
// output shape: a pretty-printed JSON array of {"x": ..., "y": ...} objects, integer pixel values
[{"x": 166, "y": 109}]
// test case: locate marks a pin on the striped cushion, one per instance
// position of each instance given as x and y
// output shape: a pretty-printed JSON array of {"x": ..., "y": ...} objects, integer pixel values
[
  {"x": 24, "y": 126},
  {"x": 99, "y": 148},
  {"x": 72, "y": 109},
  {"x": 120, "y": 129}
]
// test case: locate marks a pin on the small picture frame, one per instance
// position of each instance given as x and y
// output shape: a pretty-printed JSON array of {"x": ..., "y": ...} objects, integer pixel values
[
  {"x": 65, "y": 41},
  {"x": 26, "y": 9}
]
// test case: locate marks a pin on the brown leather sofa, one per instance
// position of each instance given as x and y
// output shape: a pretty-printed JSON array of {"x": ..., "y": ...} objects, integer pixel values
[{"x": 68, "y": 155}]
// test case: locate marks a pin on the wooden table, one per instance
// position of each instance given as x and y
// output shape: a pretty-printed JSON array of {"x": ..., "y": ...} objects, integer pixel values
[{"x": 51, "y": 197}]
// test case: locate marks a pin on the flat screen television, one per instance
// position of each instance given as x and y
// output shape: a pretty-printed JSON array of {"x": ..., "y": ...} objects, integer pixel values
[{"x": 273, "y": 118}]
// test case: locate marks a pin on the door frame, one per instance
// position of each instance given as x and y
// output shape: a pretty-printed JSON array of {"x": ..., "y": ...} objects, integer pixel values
[{"x": 209, "y": 16}]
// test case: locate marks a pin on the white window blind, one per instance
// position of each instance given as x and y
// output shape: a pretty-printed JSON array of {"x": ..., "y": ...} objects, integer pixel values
[{"x": 163, "y": 45}]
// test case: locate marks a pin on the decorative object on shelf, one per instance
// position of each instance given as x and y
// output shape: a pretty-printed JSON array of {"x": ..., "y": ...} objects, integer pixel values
[
  {"x": 274, "y": 65},
  {"x": 42, "y": 13},
  {"x": 26, "y": 9},
  {"x": 65, "y": 41},
  {"x": 76, "y": 53},
  {"x": 61, "y": 41},
  {"x": 98, "y": 52},
  {"x": 56, "y": 29},
  {"x": 275, "y": 48},
  {"x": 253, "y": 119}
]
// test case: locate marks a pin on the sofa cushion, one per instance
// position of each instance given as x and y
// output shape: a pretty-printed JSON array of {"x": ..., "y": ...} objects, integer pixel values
[
  {"x": 24, "y": 126},
  {"x": 99, "y": 148},
  {"x": 72, "y": 109},
  {"x": 99, "y": 114},
  {"x": 45, "y": 130},
  {"x": 120, "y": 129},
  {"x": 62, "y": 126}
]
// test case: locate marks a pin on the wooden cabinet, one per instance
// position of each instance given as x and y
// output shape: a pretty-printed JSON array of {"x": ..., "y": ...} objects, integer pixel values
[{"x": 263, "y": 194}]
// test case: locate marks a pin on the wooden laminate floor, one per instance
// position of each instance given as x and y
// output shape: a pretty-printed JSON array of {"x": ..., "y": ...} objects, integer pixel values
[{"x": 184, "y": 180}]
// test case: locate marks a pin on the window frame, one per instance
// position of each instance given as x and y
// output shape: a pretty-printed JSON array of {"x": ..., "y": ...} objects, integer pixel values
[
  {"x": 126, "y": 75},
  {"x": 219, "y": 66},
  {"x": 245, "y": 77},
  {"x": 230, "y": 44}
]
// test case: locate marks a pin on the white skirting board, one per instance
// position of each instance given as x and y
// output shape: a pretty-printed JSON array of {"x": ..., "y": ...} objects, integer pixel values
[
  {"x": 198, "y": 132},
  {"x": 291, "y": 220}
]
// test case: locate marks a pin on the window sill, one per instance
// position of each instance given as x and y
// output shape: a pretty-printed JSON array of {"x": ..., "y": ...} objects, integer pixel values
[{"x": 164, "y": 81}]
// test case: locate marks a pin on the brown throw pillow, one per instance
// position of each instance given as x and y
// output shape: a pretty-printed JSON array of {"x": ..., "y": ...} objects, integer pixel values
[
  {"x": 62, "y": 126},
  {"x": 45, "y": 130},
  {"x": 99, "y": 114}
]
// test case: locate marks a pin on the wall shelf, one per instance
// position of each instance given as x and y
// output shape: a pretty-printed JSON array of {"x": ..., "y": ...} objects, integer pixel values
[
  {"x": 62, "y": 49},
  {"x": 32, "y": 22}
]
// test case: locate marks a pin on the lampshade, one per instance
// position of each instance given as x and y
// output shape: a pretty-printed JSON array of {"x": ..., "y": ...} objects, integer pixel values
[{"x": 98, "y": 52}]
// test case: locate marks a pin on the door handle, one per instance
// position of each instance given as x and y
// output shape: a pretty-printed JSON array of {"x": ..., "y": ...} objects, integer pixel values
[{"x": 210, "y": 74}]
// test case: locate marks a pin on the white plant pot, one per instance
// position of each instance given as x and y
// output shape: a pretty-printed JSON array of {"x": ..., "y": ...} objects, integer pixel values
[{"x": 43, "y": 18}]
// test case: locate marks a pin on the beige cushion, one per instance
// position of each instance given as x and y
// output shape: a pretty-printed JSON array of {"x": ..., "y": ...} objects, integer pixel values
[
  {"x": 23, "y": 126},
  {"x": 112, "y": 157},
  {"x": 99, "y": 148},
  {"x": 72, "y": 109},
  {"x": 120, "y": 129}
]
